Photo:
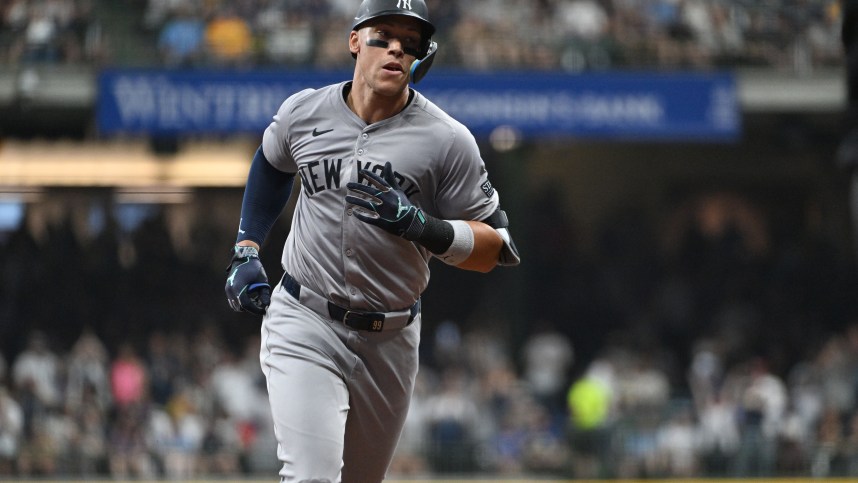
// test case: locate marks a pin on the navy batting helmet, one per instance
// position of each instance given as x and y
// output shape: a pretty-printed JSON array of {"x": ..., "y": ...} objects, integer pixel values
[{"x": 371, "y": 9}]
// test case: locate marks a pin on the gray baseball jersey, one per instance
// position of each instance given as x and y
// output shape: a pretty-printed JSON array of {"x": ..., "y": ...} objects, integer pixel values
[{"x": 352, "y": 263}]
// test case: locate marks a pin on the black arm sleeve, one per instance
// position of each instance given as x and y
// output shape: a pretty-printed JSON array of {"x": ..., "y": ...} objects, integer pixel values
[{"x": 265, "y": 195}]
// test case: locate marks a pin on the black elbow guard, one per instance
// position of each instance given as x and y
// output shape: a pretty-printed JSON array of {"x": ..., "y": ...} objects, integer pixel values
[{"x": 509, "y": 256}]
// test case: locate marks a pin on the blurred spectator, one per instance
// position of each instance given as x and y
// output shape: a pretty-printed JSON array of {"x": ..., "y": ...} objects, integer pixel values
[
  {"x": 176, "y": 433},
  {"x": 89, "y": 448},
  {"x": 838, "y": 384},
  {"x": 705, "y": 373},
  {"x": 37, "y": 370},
  {"x": 590, "y": 400},
  {"x": 546, "y": 451},
  {"x": 547, "y": 355},
  {"x": 641, "y": 385},
  {"x": 11, "y": 432},
  {"x": 501, "y": 397},
  {"x": 635, "y": 452},
  {"x": 87, "y": 367},
  {"x": 763, "y": 406},
  {"x": 235, "y": 389},
  {"x": 41, "y": 36},
  {"x": 725, "y": 38},
  {"x": 583, "y": 25},
  {"x": 287, "y": 38},
  {"x": 821, "y": 33},
  {"x": 181, "y": 41},
  {"x": 528, "y": 441},
  {"x": 39, "y": 456},
  {"x": 447, "y": 349},
  {"x": 451, "y": 417},
  {"x": 129, "y": 454},
  {"x": 228, "y": 38},
  {"x": 164, "y": 368},
  {"x": 128, "y": 378},
  {"x": 498, "y": 391},
  {"x": 582, "y": 19},
  {"x": 221, "y": 447},
  {"x": 807, "y": 399},
  {"x": 678, "y": 443},
  {"x": 830, "y": 458},
  {"x": 792, "y": 451},
  {"x": 719, "y": 433}
]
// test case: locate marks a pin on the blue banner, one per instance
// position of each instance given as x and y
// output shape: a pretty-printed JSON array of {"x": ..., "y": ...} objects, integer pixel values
[{"x": 611, "y": 105}]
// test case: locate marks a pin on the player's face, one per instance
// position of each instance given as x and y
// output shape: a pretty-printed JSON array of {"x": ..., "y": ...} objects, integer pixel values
[{"x": 386, "y": 48}]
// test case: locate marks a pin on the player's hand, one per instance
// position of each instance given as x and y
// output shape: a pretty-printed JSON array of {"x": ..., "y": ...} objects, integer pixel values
[
  {"x": 385, "y": 205},
  {"x": 247, "y": 287}
]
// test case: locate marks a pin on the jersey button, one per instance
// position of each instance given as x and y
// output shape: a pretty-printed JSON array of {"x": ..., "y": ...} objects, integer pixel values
[
  {"x": 349, "y": 212},
  {"x": 352, "y": 291},
  {"x": 360, "y": 152},
  {"x": 365, "y": 136},
  {"x": 349, "y": 252}
]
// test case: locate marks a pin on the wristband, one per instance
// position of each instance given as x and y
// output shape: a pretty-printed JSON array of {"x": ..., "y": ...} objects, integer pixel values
[
  {"x": 240, "y": 251},
  {"x": 462, "y": 245}
]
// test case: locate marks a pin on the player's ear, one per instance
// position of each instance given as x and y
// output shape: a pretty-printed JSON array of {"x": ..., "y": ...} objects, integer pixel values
[{"x": 354, "y": 42}]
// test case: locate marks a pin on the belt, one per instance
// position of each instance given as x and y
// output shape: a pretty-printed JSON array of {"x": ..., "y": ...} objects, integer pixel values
[{"x": 370, "y": 321}]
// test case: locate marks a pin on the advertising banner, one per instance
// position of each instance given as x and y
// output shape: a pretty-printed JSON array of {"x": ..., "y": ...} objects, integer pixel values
[{"x": 611, "y": 105}]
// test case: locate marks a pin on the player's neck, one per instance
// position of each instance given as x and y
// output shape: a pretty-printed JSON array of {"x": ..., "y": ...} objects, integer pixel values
[{"x": 372, "y": 107}]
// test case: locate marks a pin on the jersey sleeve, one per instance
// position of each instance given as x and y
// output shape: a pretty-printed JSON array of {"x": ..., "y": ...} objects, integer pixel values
[
  {"x": 465, "y": 192},
  {"x": 276, "y": 138}
]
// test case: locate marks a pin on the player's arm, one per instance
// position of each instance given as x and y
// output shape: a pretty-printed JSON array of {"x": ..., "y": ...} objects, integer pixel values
[
  {"x": 481, "y": 245},
  {"x": 486, "y": 250},
  {"x": 265, "y": 195},
  {"x": 470, "y": 245},
  {"x": 493, "y": 244}
]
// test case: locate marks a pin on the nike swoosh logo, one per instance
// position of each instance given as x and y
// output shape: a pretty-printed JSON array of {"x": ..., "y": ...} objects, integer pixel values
[{"x": 316, "y": 132}]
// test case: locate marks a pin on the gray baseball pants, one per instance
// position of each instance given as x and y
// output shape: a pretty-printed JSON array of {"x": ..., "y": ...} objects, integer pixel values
[{"x": 338, "y": 396}]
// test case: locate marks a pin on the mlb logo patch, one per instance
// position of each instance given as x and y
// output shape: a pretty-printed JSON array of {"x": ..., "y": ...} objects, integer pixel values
[{"x": 488, "y": 189}]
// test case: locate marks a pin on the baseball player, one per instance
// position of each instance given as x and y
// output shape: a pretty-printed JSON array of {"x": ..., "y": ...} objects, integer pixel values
[{"x": 388, "y": 182}]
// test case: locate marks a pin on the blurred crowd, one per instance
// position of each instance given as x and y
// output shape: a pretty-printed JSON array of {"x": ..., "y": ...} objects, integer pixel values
[
  {"x": 568, "y": 35},
  {"x": 177, "y": 406},
  {"x": 50, "y": 31},
  {"x": 728, "y": 349},
  {"x": 183, "y": 404}
]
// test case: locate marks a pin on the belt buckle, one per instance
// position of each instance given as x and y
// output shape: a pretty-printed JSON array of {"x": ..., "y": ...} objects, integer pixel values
[{"x": 371, "y": 321}]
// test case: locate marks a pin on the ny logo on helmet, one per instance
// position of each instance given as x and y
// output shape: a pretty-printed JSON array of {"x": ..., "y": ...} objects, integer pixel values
[{"x": 403, "y": 4}]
